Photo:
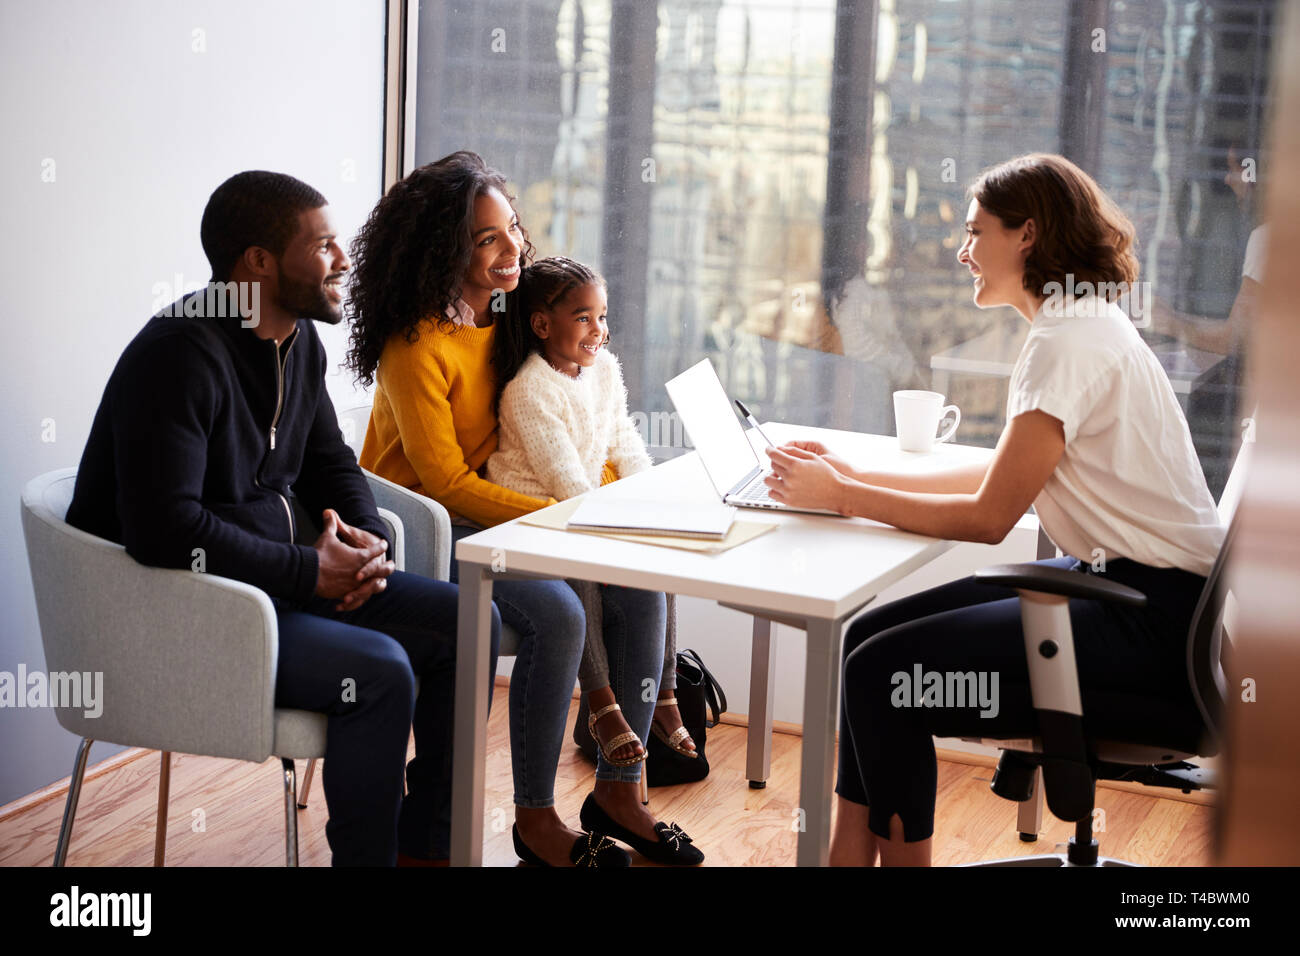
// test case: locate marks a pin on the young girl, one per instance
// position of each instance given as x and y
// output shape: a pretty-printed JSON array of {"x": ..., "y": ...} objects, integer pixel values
[{"x": 564, "y": 430}]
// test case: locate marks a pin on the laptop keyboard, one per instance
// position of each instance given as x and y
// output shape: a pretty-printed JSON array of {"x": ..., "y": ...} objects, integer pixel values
[{"x": 756, "y": 493}]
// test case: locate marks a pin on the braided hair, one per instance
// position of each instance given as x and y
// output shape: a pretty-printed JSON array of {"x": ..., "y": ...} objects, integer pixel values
[{"x": 543, "y": 286}]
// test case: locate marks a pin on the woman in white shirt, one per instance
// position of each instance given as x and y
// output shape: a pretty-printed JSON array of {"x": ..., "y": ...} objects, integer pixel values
[{"x": 1095, "y": 440}]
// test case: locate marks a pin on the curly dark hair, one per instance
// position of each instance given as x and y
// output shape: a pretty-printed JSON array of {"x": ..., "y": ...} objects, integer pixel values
[
  {"x": 1080, "y": 229},
  {"x": 409, "y": 259},
  {"x": 542, "y": 286}
]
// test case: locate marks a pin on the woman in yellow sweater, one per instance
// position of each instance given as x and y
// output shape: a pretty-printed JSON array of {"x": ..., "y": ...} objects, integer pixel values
[{"x": 432, "y": 267}]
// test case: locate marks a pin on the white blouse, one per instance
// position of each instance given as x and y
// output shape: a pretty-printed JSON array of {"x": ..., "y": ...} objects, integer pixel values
[{"x": 1129, "y": 484}]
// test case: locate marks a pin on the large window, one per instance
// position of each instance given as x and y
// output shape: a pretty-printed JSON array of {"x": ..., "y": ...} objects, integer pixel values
[{"x": 779, "y": 184}]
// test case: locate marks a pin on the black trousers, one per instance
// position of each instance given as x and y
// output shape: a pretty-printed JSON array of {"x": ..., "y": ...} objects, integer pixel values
[
  {"x": 886, "y": 750},
  {"x": 360, "y": 667}
]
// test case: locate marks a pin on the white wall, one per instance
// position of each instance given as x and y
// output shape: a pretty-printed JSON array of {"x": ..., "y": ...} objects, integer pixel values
[{"x": 141, "y": 125}]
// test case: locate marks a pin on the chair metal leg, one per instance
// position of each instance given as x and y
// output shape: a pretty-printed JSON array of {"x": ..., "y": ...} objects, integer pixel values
[
  {"x": 164, "y": 791},
  {"x": 1081, "y": 852},
  {"x": 1029, "y": 815},
  {"x": 74, "y": 795},
  {"x": 290, "y": 815},
  {"x": 307, "y": 776}
]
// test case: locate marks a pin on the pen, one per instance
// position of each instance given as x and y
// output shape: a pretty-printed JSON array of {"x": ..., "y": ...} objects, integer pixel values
[{"x": 750, "y": 418}]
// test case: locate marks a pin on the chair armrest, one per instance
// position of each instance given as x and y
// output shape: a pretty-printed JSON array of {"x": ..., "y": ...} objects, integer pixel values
[
  {"x": 426, "y": 527},
  {"x": 309, "y": 530},
  {"x": 396, "y": 537},
  {"x": 1047, "y": 580},
  {"x": 188, "y": 659},
  {"x": 1054, "y": 673}
]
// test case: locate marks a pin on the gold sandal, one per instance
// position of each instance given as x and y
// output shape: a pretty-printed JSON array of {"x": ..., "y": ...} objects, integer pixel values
[
  {"x": 675, "y": 739},
  {"x": 619, "y": 741}
]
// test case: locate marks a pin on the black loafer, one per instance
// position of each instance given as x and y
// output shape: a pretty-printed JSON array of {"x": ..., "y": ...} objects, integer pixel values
[
  {"x": 590, "y": 849},
  {"x": 673, "y": 848}
]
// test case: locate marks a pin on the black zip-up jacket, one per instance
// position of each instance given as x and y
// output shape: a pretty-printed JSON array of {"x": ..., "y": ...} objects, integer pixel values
[{"x": 203, "y": 434}]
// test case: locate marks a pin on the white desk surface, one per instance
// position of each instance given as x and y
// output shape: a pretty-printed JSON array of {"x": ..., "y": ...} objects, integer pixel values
[
  {"x": 811, "y": 565},
  {"x": 995, "y": 353}
]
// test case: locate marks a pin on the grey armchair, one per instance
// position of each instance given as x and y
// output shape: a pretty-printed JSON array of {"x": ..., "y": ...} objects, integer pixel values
[
  {"x": 1066, "y": 760},
  {"x": 101, "y": 611}
]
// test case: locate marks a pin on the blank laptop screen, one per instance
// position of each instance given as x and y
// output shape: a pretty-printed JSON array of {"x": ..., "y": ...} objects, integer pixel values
[{"x": 712, "y": 425}]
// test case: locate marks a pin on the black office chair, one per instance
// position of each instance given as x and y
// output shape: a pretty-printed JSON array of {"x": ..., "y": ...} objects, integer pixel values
[{"x": 1157, "y": 741}]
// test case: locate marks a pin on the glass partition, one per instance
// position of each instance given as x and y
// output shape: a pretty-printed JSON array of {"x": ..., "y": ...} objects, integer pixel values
[{"x": 779, "y": 185}]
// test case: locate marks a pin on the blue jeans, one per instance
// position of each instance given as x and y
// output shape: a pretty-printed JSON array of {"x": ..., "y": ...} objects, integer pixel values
[
  {"x": 359, "y": 667},
  {"x": 548, "y": 617},
  {"x": 635, "y": 622}
]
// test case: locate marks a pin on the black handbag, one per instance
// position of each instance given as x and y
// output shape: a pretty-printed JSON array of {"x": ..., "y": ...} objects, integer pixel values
[{"x": 701, "y": 701}]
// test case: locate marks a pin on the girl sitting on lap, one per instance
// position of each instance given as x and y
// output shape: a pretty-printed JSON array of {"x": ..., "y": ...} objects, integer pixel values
[{"x": 564, "y": 430}]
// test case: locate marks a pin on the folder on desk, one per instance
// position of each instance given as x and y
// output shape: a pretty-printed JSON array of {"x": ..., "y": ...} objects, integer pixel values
[
  {"x": 708, "y": 520},
  {"x": 556, "y": 518}
]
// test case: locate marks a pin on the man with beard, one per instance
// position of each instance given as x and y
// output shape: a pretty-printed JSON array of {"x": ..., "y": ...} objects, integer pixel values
[{"x": 210, "y": 423}]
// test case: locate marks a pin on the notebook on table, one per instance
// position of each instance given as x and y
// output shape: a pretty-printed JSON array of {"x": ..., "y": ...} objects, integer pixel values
[
  {"x": 681, "y": 519},
  {"x": 556, "y": 518}
]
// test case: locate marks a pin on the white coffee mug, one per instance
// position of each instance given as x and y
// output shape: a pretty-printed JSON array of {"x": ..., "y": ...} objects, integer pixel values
[{"x": 917, "y": 415}]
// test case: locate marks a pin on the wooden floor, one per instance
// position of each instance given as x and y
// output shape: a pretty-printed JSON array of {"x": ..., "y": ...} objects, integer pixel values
[{"x": 230, "y": 813}]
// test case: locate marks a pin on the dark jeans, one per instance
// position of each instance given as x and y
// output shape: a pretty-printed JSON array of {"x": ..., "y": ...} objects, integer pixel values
[
  {"x": 359, "y": 667},
  {"x": 886, "y": 751}
]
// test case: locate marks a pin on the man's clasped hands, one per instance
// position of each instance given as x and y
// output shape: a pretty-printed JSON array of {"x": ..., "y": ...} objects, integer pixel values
[{"x": 353, "y": 563}]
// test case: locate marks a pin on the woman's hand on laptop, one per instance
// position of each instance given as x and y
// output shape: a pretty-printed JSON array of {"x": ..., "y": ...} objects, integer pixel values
[
  {"x": 817, "y": 448},
  {"x": 804, "y": 479}
]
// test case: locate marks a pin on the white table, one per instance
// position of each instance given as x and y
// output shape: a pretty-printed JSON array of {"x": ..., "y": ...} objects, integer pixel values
[{"x": 812, "y": 572}]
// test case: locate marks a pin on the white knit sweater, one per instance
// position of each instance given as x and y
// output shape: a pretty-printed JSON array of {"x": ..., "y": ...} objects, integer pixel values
[{"x": 557, "y": 431}]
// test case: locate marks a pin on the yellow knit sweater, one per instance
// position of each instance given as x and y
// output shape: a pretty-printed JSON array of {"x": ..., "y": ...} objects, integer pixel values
[{"x": 432, "y": 426}]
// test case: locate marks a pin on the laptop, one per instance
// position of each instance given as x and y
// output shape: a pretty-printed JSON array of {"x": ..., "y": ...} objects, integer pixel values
[{"x": 733, "y": 466}]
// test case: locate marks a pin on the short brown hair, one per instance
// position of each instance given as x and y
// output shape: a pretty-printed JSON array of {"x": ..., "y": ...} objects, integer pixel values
[{"x": 1080, "y": 230}]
